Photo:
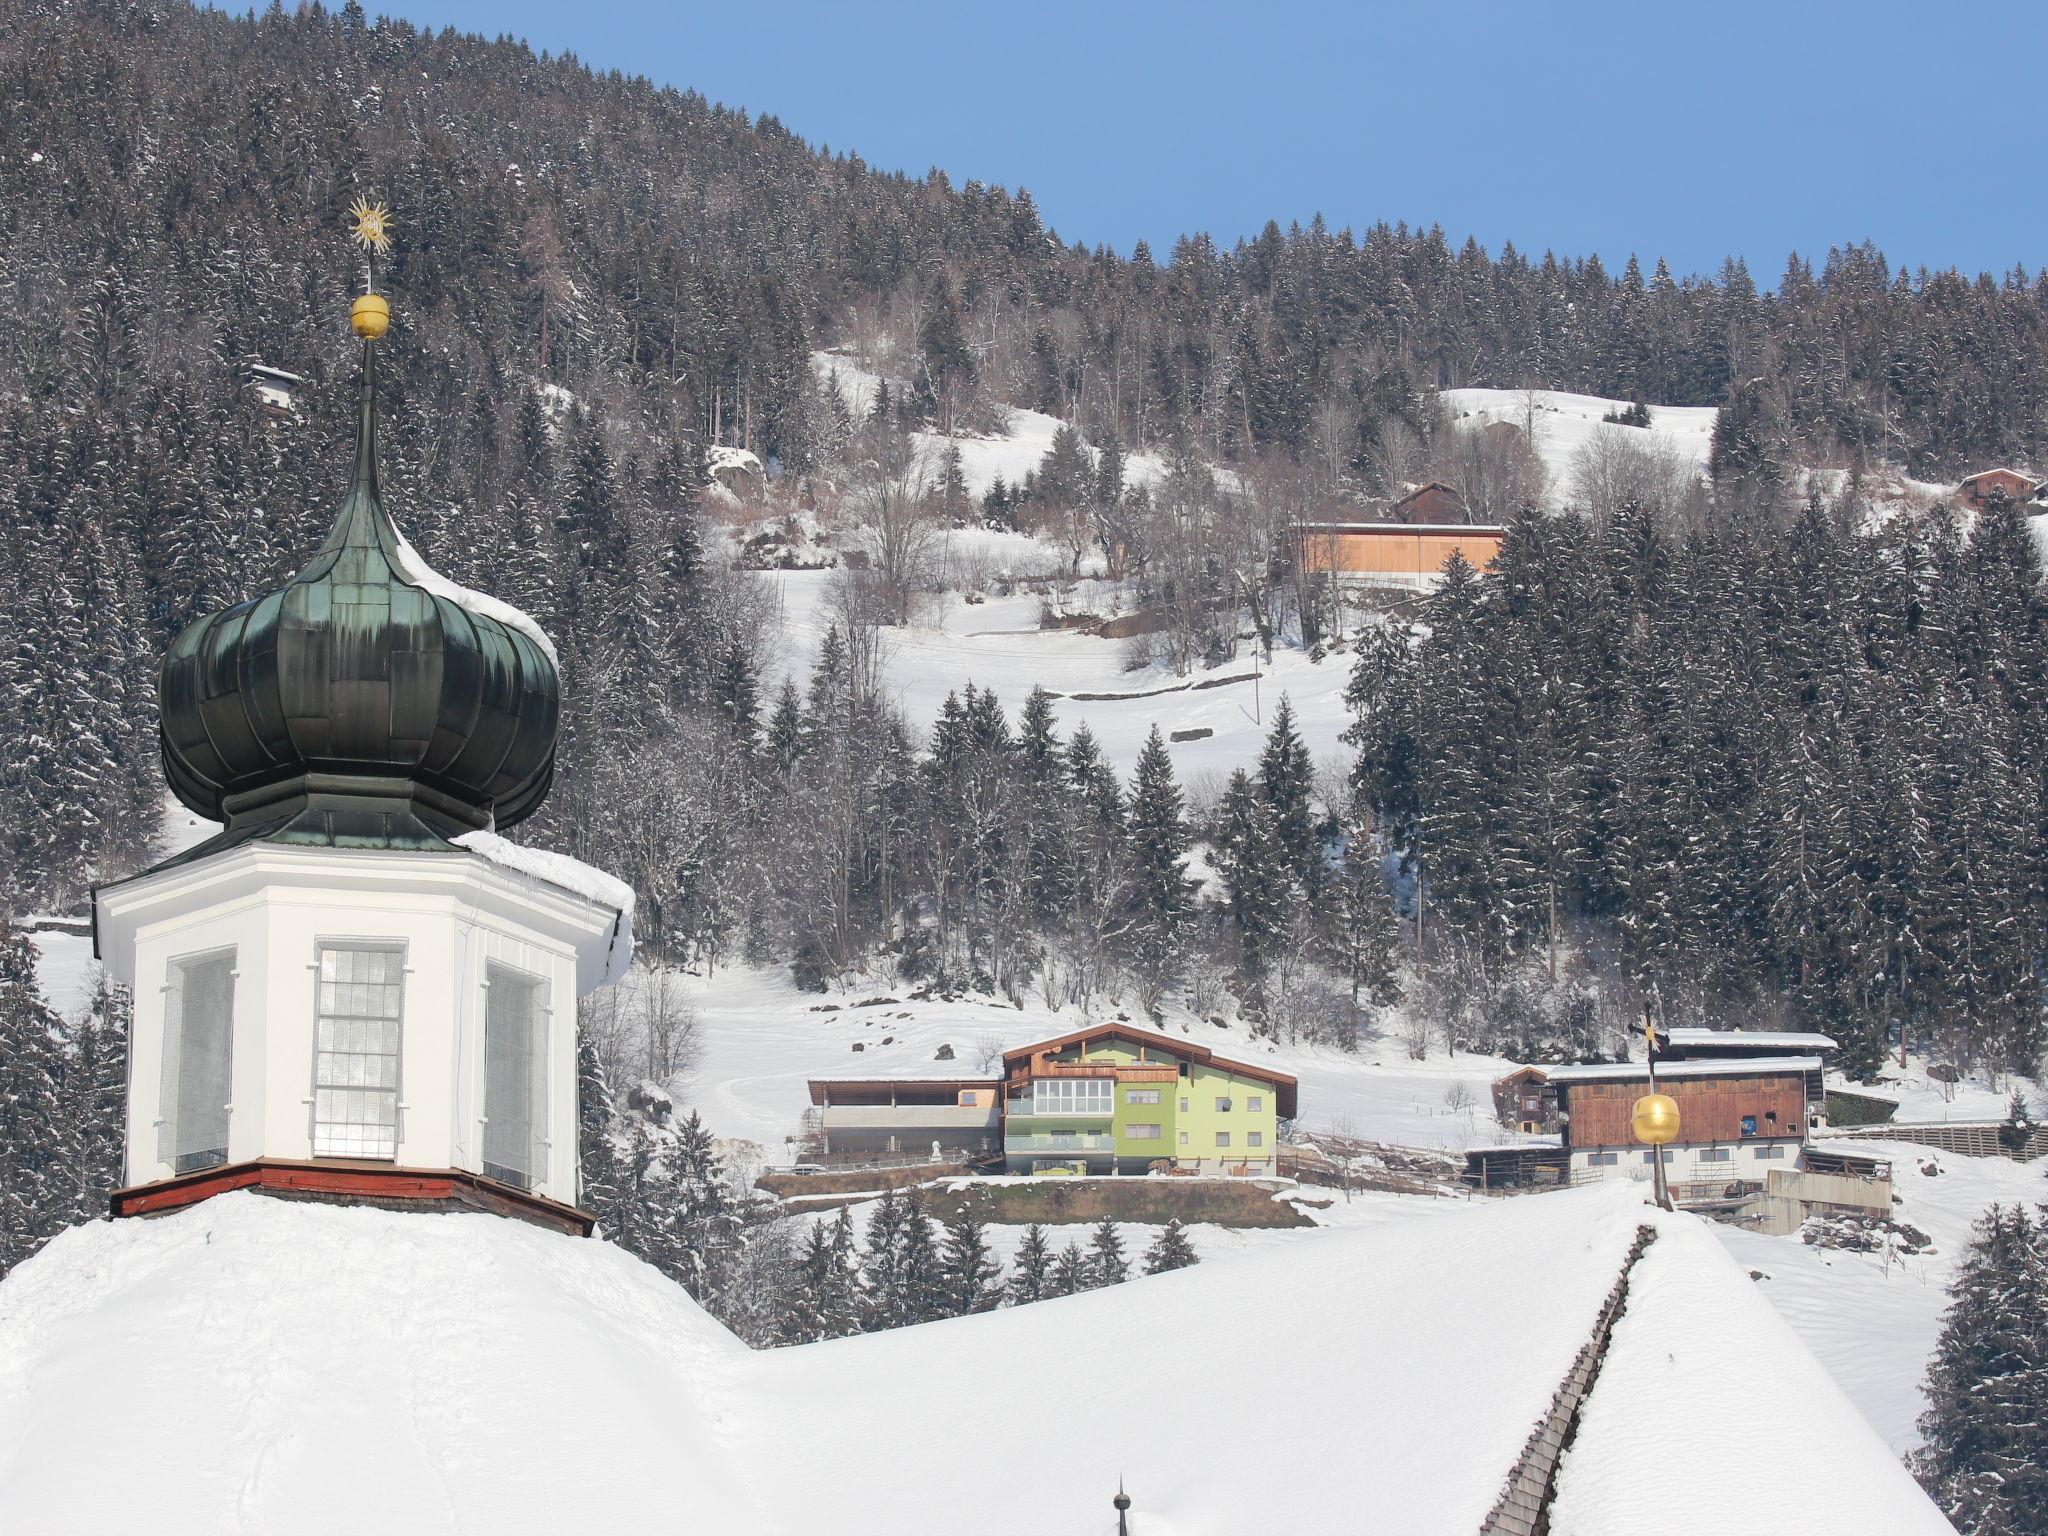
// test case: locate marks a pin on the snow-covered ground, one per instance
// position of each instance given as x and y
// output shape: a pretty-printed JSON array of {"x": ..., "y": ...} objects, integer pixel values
[
  {"x": 1872, "y": 1320},
  {"x": 1564, "y": 423},
  {"x": 1015, "y": 452},
  {"x": 258, "y": 1365},
  {"x": 762, "y": 1040},
  {"x": 997, "y": 644}
]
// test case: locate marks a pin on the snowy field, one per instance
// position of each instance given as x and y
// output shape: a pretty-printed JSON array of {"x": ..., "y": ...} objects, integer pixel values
[
  {"x": 1564, "y": 423},
  {"x": 998, "y": 644},
  {"x": 1012, "y": 454},
  {"x": 1870, "y": 1320}
]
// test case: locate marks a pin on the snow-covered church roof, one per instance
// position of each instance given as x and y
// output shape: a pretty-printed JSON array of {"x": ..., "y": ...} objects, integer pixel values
[{"x": 256, "y": 1365}]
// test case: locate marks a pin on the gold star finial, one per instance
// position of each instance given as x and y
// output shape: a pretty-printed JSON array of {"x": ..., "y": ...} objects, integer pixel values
[{"x": 372, "y": 226}]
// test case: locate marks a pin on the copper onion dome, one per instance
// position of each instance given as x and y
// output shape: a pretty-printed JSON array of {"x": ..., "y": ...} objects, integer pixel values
[{"x": 362, "y": 704}]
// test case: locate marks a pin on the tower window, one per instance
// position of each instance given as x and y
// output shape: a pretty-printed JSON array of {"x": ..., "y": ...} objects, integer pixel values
[
  {"x": 355, "y": 1051},
  {"x": 515, "y": 1077},
  {"x": 199, "y": 1040}
]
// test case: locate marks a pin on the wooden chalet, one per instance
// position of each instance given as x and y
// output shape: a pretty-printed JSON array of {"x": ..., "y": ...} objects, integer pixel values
[
  {"x": 1726, "y": 1044},
  {"x": 1978, "y": 491},
  {"x": 1432, "y": 503},
  {"x": 1525, "y": 1101}
]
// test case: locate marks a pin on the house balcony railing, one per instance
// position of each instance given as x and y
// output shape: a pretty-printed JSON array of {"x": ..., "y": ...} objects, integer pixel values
[
  {"x": 1055, "y": 1142},
  {"x": 1020, "y": 1109}
]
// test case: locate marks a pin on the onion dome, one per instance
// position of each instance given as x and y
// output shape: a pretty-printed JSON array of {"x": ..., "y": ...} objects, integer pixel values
[{"x": 366, "y": 703}]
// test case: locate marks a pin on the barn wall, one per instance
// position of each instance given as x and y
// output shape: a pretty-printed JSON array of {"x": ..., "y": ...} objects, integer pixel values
[{"x": 1709, "y": 1108}]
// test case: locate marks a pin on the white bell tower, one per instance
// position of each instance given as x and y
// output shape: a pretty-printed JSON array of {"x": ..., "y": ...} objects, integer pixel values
[{"x": 358, "y": 990}]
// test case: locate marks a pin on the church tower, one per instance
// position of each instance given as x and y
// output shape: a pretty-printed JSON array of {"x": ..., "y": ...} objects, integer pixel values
[{"x": 357, "y": 990}]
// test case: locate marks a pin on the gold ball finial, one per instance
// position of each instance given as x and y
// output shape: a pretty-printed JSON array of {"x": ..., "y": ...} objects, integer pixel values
[{"x": 370, "y": 317}]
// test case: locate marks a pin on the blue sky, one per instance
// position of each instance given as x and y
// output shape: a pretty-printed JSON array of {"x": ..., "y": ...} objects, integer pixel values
[{"x": 1691, "y": 132}]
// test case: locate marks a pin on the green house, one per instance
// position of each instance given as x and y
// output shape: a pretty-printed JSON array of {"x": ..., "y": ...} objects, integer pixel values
[{"x": 1116, "y": 1099}]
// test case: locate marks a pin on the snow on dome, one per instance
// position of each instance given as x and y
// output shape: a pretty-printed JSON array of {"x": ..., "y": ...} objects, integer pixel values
[
  {"x": 416, "y": 570},
  {"x": 573, "y": 875},
  {"x": 253, "y": 1364}
]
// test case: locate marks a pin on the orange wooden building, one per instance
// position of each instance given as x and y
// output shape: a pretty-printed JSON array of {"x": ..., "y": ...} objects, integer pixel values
[
  {"x": 1979, "y": 490},
  {"x": 1393, "y": 554}
]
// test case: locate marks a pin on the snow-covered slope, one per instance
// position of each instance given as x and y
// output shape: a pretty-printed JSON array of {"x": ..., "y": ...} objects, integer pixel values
[
  {"x": 1872, "y": 1318},
  {"x": 1564, "y": 423},
  {"x": 1014, "y": 453},
  {"x": 761, "y": 1041},
  {"x": 998, "y": 644},
  {"x": 256, "y": 1366}
]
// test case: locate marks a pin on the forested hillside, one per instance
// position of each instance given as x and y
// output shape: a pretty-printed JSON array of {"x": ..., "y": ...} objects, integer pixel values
[{"x": 597, "y": 279}]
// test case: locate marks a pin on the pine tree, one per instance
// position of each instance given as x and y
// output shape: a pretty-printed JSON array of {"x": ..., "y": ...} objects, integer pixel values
[
  {"x": 1071, "y": 1274},
  {"x": 1106, "y": 1262},
  {"x": 1031, "y": 1279},
  {"x": 1170, "y": 1250},
  {"x": 970, "y": 1276},
  {"x": 598, "y": 1189},
  {"x": 1249, "y": 862},
  {"x": 1287, "y": 780},
  {"x": 1161, "y": 896},
  {"x": 34, "y": 1201},
  {"x": 1984, "y": 1459}
]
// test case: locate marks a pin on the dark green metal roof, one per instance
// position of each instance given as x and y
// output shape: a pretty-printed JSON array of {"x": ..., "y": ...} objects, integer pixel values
[{"x": 353, "y": 707}]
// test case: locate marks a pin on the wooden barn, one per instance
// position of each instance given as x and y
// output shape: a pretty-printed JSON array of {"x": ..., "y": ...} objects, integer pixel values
[
  {"x": 1524, "y": 1101},
  {"x": 1978, "y": 491},
  {"x": 1739, "y": 1118},
  {"x": 1392, "y": 554},
  {"x": 1433, "y": 502}
]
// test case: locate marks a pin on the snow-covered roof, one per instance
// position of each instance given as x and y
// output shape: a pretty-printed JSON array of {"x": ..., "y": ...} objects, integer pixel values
[
  {"x": 575, "y": 876},
  {"x": 1764, "y": 1039},
  {"x": 1636, "y": 1071},
  {"x": 238, "y": 1366}
]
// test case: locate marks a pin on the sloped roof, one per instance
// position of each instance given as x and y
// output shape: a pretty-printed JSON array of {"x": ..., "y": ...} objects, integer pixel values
[
  {"x": 1720, "y": 1066},
  {"x": 256, "y": 1364}
]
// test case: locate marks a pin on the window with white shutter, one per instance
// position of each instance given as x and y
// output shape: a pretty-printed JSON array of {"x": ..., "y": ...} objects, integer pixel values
[
  {"x": 515, "y": 1077},
  {"x": 199, "y": 1039}
]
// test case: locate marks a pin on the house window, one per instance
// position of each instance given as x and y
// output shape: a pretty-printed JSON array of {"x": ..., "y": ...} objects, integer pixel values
[
  {"x": 355, "y": 1051},
  {"x": 1223, "y": 1106},
  {"x": 1749, "y": 1125},
  {"x": 1223, "y": 1138},
  {"x": 1773, "y": 1149},
  {"x": 1253, "y": 1104},
  {"x": 1141, "y": 1096},
  {"x": 1669, "y": 1156},
  {"x": 1602, "y": 1159},
  {"x": 1715, "y": 1154},
  {"x": 1183, "y": 1106},
  {"x": 1183, "y": 1138},
  {"x": 1073, "y": 1096},
  {"x": 515, "y": 1076},
  {"x": 199, "y": 1037},
  {"x": 1142, "y": 1132},
  {"x": 1255, "y": 1138}
]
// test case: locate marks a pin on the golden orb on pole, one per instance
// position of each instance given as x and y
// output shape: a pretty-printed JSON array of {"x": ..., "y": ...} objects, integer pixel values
[
  {"x": 370, "y": 316},
  {"x": 1655, "y": 1117}
]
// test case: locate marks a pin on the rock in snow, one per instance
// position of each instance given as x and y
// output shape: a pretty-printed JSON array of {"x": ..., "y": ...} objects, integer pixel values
[{"x": 252, "y": 1365}]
